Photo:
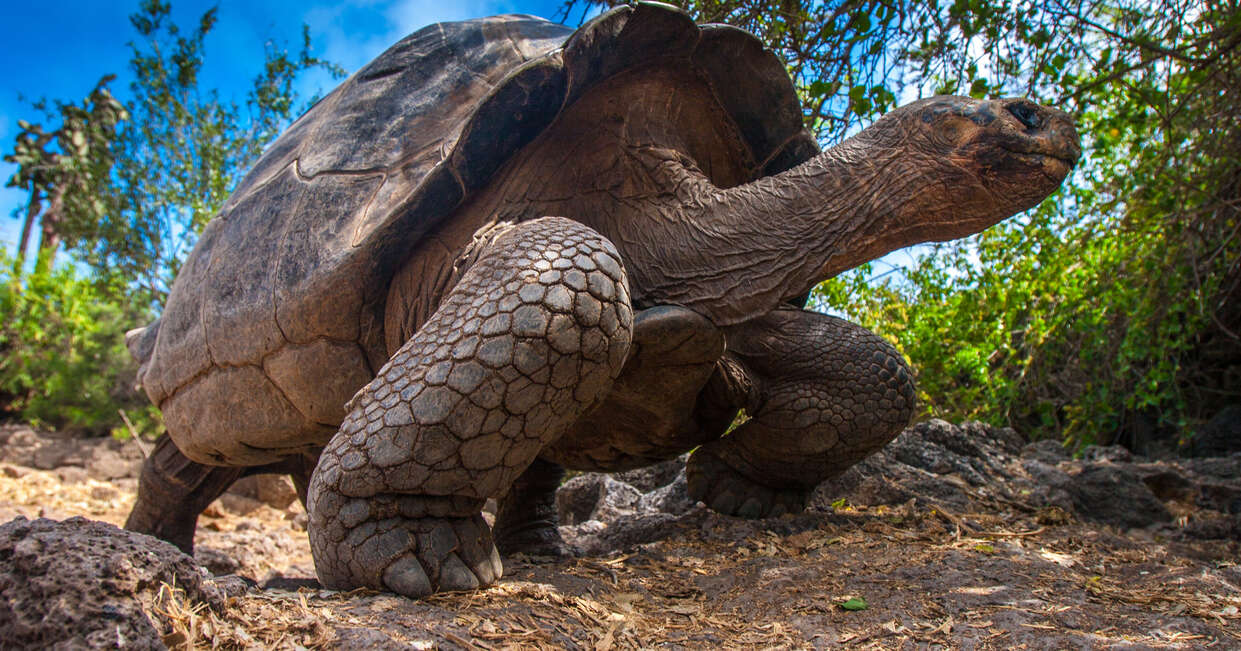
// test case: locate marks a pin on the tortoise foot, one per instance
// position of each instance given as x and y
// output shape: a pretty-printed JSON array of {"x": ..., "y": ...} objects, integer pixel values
[
  {"x": 726, "y": 490},
  {"x": 411, "y": 557}
]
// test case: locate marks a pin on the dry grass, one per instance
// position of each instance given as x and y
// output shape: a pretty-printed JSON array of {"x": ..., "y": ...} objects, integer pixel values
[{"x": 988, "y": 578}]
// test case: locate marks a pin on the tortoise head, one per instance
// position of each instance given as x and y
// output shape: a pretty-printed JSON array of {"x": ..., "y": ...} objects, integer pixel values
[
  {"x": 933, "y": 170},
  {"x": 972, "y": 162}
]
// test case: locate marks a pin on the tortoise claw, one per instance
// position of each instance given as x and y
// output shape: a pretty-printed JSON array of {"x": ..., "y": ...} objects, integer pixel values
[
  {"x": 726, "y": 490},
  {"x": 413, "y": 557}
]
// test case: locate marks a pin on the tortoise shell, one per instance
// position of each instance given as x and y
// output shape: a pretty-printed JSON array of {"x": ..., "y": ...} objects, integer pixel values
[{"x": 285, "y": 286}]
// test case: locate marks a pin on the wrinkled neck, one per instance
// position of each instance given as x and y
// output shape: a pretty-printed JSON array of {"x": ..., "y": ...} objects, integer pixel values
[{"x": 757, "y": 245}]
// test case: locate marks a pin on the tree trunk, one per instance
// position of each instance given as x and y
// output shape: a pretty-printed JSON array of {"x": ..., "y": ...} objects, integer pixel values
[
  {"x": 32, "y": 211},
  {"x": 49, "y": 240}
]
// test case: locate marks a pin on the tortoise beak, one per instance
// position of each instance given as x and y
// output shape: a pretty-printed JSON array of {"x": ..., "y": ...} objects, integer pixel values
[{"x": 1039, "y": 130}]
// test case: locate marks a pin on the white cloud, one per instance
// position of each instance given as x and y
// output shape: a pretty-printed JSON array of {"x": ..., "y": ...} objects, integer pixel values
[
  {"x": 349, "y": 34},
  {"x": 406, "y": 16}
]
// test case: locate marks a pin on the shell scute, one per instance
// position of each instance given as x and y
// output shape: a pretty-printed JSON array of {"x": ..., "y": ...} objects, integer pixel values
[{"x": 307, "y": 245}]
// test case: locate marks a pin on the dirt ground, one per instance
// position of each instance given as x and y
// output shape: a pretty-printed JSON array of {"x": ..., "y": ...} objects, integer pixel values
[{"x": 890, "y": 576}]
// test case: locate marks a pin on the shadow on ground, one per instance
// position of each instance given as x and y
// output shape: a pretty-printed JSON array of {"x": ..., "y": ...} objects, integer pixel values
[{"x": 952, "y": 537}]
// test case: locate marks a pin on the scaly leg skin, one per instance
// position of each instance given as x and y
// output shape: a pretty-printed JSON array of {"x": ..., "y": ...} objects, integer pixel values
[
  {"x": 172, "y": 491},
  {"x": 823, "y": 395},
  {"x": 531, "y": 337},
  {"x": 647, "y": 416},
  {"x": 651, "y": 414}
]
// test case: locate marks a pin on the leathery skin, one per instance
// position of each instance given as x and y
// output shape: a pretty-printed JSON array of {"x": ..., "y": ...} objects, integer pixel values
[{"x": 531, "y": 337}]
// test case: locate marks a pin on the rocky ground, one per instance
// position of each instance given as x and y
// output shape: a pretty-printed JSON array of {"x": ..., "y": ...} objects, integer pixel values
[{"x": 952, "y": 537}]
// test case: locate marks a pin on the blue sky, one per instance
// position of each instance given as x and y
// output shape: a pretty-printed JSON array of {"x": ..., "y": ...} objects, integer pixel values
[{"x": 58, "y": 49}]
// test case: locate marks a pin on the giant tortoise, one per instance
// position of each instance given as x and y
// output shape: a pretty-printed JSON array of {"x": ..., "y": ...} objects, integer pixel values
[{"x": 506, "y": 247}]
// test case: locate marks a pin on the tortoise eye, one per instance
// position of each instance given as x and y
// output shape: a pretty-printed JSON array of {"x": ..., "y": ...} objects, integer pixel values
[{"x": 1025, "y": 114}]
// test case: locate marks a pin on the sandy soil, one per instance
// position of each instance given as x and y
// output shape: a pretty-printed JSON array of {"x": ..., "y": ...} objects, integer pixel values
[{"x": 991, "y": 576}]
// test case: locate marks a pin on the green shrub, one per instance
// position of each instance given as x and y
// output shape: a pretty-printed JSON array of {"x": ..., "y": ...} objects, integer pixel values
[{"x": 63, "y": 362}]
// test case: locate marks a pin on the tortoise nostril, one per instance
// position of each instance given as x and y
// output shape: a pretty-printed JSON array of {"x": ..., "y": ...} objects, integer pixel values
[{"x": 1025, "y": 114}]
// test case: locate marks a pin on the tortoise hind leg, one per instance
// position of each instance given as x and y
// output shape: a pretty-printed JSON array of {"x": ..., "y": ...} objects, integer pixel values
[
  {"x": 648, "y": 416},
  {"x": 172, "y": 491},
  {"x": 529, "y": 339},
  {"x": 823, "y": 394},
  {"x": 526, "y": 517}
]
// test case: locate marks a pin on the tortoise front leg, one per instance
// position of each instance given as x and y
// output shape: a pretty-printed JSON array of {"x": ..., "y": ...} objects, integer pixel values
[
  {"x": 823, "y": 394},
  {"x": 531, "y": 337}
]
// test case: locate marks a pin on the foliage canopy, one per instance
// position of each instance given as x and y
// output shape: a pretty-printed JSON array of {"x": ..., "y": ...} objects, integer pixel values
[
  {"x": 124, "y": 187},
  {"x": 1110, "y": 312}
]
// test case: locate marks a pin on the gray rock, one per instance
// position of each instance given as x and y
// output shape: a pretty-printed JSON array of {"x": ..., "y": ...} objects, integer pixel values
[
  {"x": 652, "y": 477},
  {"x": 974, "y": 451},
  {"x": 216, "y": 561},
  {"x": 673, "y": 498},
  {"x": 881, "y": 479},
  {"x": 1166, "y": 482},
  {"x": 72, "y": 475},
  {"x": 1107, "y": 453},
  {"x": 595, "y": 539},
  {"x": 104, "y": 459},
  {"x": 1221, "y": 436},
  {"x": 1220, "y": 496},
  {"x": 1115, "y": 495},
  {"x": 275, "y": 491},
  {"x": 81, "y": 583},
  {"x": 1221, "y": 468},
  {"x": 18, "y": 444},
  {"x": 107, "y": 463},
  {"x": 51, "y": 456},
  {"x": 1049, "y": 451},
  {"x": 595, "y": 496}
]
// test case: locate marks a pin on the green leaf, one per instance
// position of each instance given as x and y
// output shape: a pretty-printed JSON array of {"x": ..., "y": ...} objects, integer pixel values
[
  {"x": 854, "y": 603},
  {"x": 979, "y": 88}
]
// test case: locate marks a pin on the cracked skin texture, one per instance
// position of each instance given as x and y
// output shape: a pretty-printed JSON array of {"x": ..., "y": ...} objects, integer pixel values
[
  {"x": 504, "y": 248},
  {"x": 532, "y": 336}
]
